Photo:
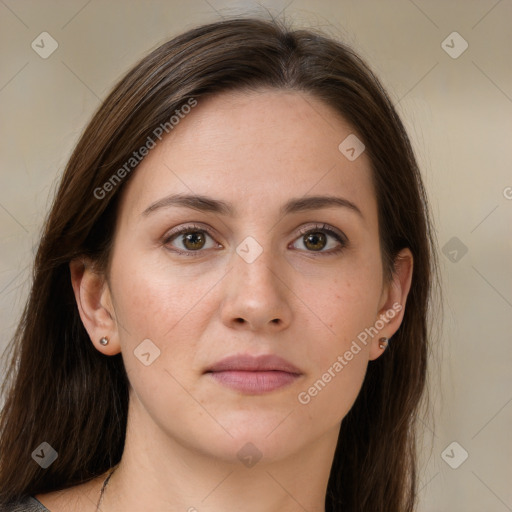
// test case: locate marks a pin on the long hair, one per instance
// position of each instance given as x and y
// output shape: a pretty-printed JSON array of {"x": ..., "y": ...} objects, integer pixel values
[{"x": 59, "y": 389}]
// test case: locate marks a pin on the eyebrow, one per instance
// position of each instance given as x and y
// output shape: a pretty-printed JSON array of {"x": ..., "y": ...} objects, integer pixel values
[{"x": 208, "y": 204}]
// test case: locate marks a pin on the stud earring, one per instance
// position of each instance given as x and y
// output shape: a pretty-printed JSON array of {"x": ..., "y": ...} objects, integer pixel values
[
  {"x": 104, "y": 340},
  {"x": 383, "y": 343}
]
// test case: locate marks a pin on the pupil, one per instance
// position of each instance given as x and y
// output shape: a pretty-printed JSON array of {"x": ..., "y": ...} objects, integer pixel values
[
  {"x": 193, "y": 239},
  {"x": 316, "y": 239}
]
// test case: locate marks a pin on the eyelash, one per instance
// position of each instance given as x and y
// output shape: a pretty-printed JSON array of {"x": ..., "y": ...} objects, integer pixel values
[{"x": 303, "y": 231}]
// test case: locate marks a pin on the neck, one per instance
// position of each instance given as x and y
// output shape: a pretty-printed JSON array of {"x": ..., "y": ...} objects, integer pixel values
[{"x": 159, "y": 473}]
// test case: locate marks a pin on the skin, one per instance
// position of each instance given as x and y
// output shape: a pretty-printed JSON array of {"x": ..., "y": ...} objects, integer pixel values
[{"x": 256, "y": 151}]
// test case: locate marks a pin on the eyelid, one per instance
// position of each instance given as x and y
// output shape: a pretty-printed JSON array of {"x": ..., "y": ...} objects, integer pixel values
[
  {"x": 322, "y": 226},
  {"x": 181, "y": 229},
  {"x": 332, "y": 231}
]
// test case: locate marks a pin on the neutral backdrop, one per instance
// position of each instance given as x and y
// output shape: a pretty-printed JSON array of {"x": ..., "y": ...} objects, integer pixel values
[{"x": 457, "y": 105}]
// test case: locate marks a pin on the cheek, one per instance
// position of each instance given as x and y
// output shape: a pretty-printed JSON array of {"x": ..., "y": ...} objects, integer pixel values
[
  {"x": 153, "y": 299},
  {"x": 340, "y": 352},
  {"x": 347, "y": 307},
  {"x": 160, "y": 313},
  {"x": 330, "y": 394},
  {"x": 344, "y": 302}
]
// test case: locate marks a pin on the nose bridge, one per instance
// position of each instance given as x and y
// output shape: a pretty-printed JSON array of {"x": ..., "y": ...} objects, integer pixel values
[
  {"x": 255, "y": 264},
  {"x": 256, "y": 293}
]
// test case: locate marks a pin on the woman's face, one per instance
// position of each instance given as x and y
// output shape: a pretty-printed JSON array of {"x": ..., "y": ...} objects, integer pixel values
[{"x": 246, "y": 279}]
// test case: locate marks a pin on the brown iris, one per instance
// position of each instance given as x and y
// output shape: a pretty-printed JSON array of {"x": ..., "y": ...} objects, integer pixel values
[
  {"x": 315, "y": 241},
  {"x": 194, "y": 240}
]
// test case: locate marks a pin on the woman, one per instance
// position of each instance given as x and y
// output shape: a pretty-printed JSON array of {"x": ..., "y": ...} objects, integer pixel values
[{"x": 229, "y": 306}]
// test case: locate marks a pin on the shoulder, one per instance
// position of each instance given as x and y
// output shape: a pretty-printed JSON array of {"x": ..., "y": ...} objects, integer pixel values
[
  {"x": 24, "y": 504},
  {"x": 76, "y": 498}
]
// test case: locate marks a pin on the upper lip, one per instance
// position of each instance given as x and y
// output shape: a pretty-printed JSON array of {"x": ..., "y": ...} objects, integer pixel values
[{"x": 246, "y": 362}]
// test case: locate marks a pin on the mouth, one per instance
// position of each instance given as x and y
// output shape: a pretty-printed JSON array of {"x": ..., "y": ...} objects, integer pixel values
[{"x": 254, "y": 375}]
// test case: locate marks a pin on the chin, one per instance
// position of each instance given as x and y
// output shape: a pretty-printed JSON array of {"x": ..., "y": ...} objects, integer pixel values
[{"x": 262, "y": 441}]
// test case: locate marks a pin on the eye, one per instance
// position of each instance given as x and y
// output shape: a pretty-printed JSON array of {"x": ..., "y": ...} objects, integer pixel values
[
  {"x": 316, "y": 239},
  {"x": 190, "y": 239}
]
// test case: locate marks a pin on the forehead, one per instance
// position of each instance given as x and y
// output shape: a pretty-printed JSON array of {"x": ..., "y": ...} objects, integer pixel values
[{"x": 254, "y": 150}]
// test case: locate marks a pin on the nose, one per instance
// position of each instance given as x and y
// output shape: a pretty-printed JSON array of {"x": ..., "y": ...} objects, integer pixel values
[{"x": 256, "y": 295}]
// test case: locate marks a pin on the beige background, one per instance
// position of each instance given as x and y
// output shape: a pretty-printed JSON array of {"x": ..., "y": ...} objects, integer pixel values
[{"x": 458, "y": 112}]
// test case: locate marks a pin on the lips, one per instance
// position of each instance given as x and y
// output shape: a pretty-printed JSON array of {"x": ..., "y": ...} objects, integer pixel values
[
  {"x": 248, "y": 363},
  {"x": 254, "y": 375}
]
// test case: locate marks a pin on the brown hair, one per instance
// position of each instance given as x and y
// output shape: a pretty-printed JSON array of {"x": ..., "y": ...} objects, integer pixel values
[{"x": 61, "y": 390}]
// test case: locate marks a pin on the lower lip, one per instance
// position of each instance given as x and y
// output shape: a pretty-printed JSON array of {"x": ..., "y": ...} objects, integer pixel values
[{"x": 254, "y": 382}]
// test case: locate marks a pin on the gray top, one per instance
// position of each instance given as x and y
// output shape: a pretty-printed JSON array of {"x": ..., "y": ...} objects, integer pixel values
[{"x": 26, "y": 504}]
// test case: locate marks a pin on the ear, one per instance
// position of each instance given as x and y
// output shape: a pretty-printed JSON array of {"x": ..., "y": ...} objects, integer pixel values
[
  {"x": 392, "y": 301},
  {"x": 93, "y": 298}
]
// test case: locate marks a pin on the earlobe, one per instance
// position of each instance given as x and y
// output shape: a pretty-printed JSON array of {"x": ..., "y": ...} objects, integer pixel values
[
  {"x": 393, "y": 300},
  {"x": 92, "y": 295}
]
